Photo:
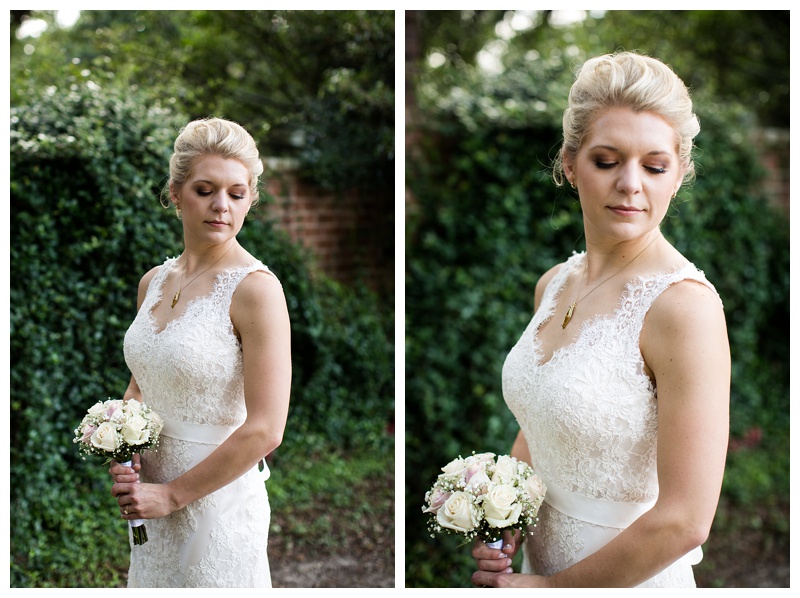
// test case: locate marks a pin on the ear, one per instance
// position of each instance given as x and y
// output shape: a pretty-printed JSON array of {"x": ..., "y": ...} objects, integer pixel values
[
  {"x": 569, "y": 167},
  {"x": 173, "y": 194}
]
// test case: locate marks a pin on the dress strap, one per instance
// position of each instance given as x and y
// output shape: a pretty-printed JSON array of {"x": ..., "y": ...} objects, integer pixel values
[{"x": 642, "y": 292}]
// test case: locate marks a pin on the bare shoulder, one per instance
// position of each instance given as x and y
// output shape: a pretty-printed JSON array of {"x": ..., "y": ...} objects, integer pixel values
[
  {"x": 258, "y": 295},
  {"x": 685, "y": 327},
  {"x": 684, "y": 304}
]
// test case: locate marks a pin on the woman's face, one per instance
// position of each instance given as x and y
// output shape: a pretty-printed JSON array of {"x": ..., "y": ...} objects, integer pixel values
[
  {"x": 626, "y": 172},
  {"x": 214, "y": 200}
]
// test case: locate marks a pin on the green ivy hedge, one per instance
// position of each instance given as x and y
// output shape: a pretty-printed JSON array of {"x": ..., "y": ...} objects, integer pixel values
[
  {"x": 87, "y": 165},
  {"x": 487, "y": 221}
]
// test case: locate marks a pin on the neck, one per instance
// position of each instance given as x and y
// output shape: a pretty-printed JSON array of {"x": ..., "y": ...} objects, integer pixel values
[
  {"x": 603, "y": 260},
  {"x": 197, "y": 258}
]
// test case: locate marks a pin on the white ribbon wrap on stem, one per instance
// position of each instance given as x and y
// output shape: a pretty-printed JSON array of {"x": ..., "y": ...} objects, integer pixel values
[{"x": 497, "y": 544}]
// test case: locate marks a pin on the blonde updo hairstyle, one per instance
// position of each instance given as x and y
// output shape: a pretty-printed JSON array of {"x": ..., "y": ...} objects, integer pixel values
[
  {"x": 627, "y": 80},
  {"x": 212, "y": 137}
]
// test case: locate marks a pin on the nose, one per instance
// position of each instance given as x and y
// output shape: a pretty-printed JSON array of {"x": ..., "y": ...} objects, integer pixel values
[
  {"x": 219, "y": 202},
  {"x": 630, "y": 179}
]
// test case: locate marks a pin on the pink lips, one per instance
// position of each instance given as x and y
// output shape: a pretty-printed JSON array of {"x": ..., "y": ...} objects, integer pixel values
[
  {"x": 625, "y": 210},
  {"x": 216, "y": 223}
]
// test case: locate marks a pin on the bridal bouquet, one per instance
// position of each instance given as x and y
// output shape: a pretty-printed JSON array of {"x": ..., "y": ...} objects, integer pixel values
[
  {"x": 480, "y": 496},
  {"x": 116, "y": 429}
]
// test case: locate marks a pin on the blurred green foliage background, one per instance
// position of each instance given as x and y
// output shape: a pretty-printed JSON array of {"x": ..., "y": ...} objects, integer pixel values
[
  {"x": 485, "y": 94},
  {"x": 96, "y": 106}
]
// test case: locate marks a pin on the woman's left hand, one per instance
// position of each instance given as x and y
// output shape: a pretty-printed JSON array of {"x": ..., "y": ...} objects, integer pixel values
[
  {"x": 487, "y": 579},
  {"x": 143, "y": 501}
]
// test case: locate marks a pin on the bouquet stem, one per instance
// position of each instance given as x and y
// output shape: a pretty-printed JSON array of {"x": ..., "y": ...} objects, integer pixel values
[{"x": 138, "y": 529}]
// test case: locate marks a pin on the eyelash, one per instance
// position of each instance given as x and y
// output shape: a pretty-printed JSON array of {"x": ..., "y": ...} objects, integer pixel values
[
  {"x": 207, "y": 193},
  {"x": 609, "y": 165}
]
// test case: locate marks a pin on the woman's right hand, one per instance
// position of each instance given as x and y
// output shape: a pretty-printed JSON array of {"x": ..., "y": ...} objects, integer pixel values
[
  {"x": 124, "y": 473},
  {"x": 498, "y": 560}
]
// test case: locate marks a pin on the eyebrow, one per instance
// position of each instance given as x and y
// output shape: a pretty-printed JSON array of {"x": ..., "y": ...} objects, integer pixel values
[
  {"x": 214, "y": 183},
  {"x": 614, "y": 149}
]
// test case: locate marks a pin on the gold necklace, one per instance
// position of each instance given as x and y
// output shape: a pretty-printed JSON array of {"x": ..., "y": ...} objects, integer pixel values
[
  {"x": 180, "y": 289},
  {"x": 571, "y": 309}
]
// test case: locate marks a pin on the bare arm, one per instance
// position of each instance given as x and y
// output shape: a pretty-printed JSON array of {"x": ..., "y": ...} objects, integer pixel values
[
  {"x": 685, "y": 346},
  {"x": 260, "y": 317}
]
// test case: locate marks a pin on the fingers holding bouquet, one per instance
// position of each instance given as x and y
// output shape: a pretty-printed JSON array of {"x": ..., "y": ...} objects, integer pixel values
[
  {"x": 125, "y": 473},
  {"x": 497, "y": 560}
]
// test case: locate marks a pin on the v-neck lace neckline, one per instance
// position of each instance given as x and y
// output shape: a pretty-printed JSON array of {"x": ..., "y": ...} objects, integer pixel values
[
  {"x": 548, "y": 309},
  {"x": 158, "y": 297}
]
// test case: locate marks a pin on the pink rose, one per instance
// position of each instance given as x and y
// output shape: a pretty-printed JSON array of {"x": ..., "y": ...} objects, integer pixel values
[
  {"x": 87, "y": 432},
  {"x": 437, "y": 499},
  {"x": 475, "y": 474}
]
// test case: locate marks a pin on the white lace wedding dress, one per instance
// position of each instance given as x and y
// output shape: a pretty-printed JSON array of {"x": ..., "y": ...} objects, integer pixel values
[
  {"x": 589, "y": 415},
  {"x": 191, "y": 374}
]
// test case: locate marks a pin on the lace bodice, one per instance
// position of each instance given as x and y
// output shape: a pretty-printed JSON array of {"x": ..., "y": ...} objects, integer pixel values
[
  {"x": 589, "y": 414},
  {"x": 191, "y": 373},
  {"x": 196, "y": 360}
]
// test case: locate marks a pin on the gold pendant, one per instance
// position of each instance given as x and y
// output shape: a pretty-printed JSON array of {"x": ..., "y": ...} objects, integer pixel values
[
  {"x": 568, "y": 317},
  {"x": 175, "y": 299}
]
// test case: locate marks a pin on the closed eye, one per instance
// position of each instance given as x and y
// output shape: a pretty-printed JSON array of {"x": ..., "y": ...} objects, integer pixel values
[
  {"x": 605, "y": 165},
  {"x": 655, "y": 169},
  {"x": 650, "y": 169}
]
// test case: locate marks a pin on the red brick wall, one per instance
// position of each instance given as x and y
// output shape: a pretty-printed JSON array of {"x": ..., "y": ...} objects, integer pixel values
[
  {"x": 773, "y": 146},
  {"x": 350, "y": 234}
]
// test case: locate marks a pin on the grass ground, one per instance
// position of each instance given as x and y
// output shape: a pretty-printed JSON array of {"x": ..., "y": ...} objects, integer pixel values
[{"x": 333, "y": 522}]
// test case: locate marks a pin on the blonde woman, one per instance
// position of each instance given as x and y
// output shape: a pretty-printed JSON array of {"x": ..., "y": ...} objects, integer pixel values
[
  {"x": 620, "y": 383},
  {"x": 209, "y": 350}
]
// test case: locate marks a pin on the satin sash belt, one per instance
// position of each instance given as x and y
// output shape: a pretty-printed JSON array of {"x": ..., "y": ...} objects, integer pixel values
[
  {"x": 205, "y": 434},
  {"x": 607, "y": 513}
]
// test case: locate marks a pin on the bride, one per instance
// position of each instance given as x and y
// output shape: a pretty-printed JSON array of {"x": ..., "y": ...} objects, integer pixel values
[
  {"x": 620, "y": 383},
  {"x": 209, "y": 350}
]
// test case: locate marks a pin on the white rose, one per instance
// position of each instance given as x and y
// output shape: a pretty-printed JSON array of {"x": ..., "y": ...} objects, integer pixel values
[
  {"x": 135, "y": 431},
  {"x": 455, "y": 467},
  {"x": 477, "y": 482},
  {"x": 535, "y": 488},
  {"x": 458, "y": 513},
  {"x": 483, "y": 457},
  {"x": 133, "y": 406},
  {"x": 105, "y": 437},
  {"x": 505, "y": 470},
  {"x": 501, "y": 506},
  {"x": 157, "y": 423},
  {"x": 97, "y": 409}
]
